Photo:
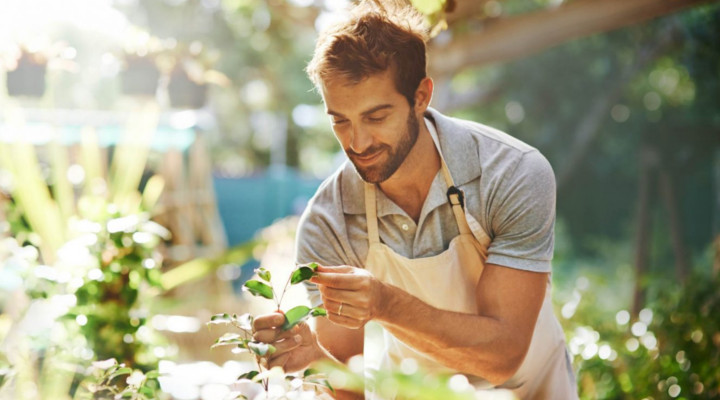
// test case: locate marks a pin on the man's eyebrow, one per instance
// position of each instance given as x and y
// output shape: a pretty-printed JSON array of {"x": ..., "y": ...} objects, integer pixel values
[
  {"x": 377, "y": 108},
  {"x": 365, "y": 113}
]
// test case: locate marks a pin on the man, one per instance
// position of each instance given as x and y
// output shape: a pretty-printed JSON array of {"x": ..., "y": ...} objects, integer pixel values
[{"x": 439, "y": 229}]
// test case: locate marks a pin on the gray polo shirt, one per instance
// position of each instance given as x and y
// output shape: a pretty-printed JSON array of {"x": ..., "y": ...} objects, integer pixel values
[{"x": 509, "y": 189}]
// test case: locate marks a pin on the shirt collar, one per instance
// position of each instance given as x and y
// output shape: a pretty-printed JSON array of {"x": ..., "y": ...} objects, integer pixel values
[{"x": 457, "y": 145}]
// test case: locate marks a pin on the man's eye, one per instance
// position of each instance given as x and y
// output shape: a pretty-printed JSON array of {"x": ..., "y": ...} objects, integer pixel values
[
  {"x": 378, "y": 119},
  {"x": 339, "y": 121}
]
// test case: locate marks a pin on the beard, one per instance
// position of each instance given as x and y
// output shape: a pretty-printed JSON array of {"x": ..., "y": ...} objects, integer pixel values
[{"x": 395, "y": 157}]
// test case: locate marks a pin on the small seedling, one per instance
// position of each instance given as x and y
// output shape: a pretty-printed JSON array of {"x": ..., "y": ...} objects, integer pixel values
[{"x": 243, "y": 342}]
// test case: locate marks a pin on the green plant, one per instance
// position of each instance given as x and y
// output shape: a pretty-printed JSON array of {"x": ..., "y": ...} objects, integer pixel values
[
  {"x": 410, "y": 382},
  {"x": 242, "y": 342},
  {"x": 671, "y": 350},
  {"x": 102, "y": 383},
  {"x": 85, "y": 249},
  {"x": 109, "y": 308}
]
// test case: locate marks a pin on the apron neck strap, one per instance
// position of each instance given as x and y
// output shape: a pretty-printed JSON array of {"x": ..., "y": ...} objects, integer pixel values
[
  {"x": 455, "y": 196},
  {"x": 371, "y": 213},
  {"x": 443, "y": 166}
]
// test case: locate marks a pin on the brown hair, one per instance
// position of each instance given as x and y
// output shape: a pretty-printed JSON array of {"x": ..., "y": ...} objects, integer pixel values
[{"x": 371, "y": 41}]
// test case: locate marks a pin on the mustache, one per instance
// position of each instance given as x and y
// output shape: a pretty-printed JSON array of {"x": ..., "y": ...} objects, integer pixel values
[{"x": 369, "y": 152}]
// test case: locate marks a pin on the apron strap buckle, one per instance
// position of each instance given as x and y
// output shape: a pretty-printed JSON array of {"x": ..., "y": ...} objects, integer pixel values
[{"x": 456, "y": 196}]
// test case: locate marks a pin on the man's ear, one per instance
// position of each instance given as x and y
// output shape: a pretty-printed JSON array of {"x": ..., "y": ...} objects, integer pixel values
[{"x": 423, "y": 95}]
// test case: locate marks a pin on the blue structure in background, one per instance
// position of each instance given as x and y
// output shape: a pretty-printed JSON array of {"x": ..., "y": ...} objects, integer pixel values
[{"x": 250, "y": 203}]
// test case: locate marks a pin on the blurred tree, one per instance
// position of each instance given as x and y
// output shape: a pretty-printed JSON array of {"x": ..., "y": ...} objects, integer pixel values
[
  {"x": 628, "y": 119},
  {"x": 263, "y": 47}
]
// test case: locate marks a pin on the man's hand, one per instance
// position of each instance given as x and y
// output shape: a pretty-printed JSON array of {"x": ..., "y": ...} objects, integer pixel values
[
  {"x": 295, "y": 349},
  {"x": 351, "y": 296}
]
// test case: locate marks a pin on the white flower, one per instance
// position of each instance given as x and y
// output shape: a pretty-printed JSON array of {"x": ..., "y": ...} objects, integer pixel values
[
  {"x": 104, "y": 364},
  {"x": 247, "y": 387},
  {"x": 135, "y": 379}
]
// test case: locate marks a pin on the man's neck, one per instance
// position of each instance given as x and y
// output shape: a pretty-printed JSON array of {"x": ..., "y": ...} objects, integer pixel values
[{"x": 409, "y": 185}]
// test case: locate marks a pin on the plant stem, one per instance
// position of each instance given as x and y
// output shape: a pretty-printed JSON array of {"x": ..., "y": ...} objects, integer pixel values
[
  {"x": 277, "y": 302},
  {"x": 285, "y": 289},
  {"x": 265, "y": 381}
]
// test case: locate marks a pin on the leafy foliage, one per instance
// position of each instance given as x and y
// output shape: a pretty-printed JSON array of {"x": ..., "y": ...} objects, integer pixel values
[
  {"x": 671, "y": 351},
  {"x": 94, "y": 260},
  {"x": 258, "y": 288},
  {"x": 102, "y": 383},
  {"x": 303, "y": 273},
  {"x": 242, "y": 342},
  {"x": 108, "y": 299},
  {"x": 409, "y": 384},
  {"x": 299, "y": 314}
]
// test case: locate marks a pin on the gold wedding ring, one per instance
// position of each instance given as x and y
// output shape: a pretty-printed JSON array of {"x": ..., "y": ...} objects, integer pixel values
[{"x": 340, "y": 309}]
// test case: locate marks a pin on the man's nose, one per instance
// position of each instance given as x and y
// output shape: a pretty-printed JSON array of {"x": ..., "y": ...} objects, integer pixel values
[{"x": 361, "y": 139}]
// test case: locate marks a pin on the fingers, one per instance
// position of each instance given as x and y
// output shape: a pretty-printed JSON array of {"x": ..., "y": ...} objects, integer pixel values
[
  {"x": 278, "y": 361},
  {"x": 272, "y": 335},
  {"x": 286, "y": 345},
  {"x": 336, "y": 269},
  {"x": 344, "y": 296},
  {"x": 348, "y": 310},
  {"x": 340, "y": 280},
  {"x": 346, "y": 321},
  {"x": 268, "y": 321},
  {"x": 267, "y": 328}
]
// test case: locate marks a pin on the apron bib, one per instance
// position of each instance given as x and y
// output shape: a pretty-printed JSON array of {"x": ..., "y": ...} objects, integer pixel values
[{"x": 448, "y": 281}]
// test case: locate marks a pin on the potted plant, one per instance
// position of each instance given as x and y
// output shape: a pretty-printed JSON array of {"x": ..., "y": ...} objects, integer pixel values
[
  {"x": 140, "y": 75},
  {"x": 184, "y": 90},
  {"x": 142, "y": 64},
  {"x": 26, "y": 74},
  {"x": 190, "y": 73}
]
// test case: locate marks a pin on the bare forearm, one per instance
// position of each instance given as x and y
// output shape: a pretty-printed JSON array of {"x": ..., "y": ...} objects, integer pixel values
[{"x": 474, "y": 344}]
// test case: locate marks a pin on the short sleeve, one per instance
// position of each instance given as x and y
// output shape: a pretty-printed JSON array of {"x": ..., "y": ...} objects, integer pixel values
[
  {"x": 317, "y": 242},
  {"x": 523, "y": 219}
]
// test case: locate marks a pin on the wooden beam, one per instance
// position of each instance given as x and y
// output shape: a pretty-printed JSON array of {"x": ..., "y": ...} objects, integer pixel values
[{"x": 509, "y": 38}]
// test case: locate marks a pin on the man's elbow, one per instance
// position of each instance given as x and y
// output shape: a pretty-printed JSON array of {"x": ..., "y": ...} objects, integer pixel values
[{"x": 506, "y": 367}]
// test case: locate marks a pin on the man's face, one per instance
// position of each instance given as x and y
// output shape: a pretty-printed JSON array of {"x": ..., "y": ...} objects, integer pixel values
[{"x": 374, "y": 124}]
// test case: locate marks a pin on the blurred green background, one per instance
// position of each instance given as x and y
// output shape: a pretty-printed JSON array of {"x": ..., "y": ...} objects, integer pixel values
[{"x": 209, "y": 97}]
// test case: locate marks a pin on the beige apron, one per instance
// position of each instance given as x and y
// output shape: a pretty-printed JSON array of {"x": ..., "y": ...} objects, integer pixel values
[{"x": 448, "y": 281}]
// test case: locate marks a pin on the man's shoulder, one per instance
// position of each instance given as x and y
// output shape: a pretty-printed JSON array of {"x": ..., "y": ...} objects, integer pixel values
[
  {"x": 485, "y": 136},
  {"x": 473, "y": 149}
]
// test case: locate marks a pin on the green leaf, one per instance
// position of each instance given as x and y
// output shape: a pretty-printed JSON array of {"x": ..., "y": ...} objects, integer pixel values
[
  {"x": 152, "y": 375},
  {"x": 229, "y": 339},
  {"x": 318, "y": 312},
  {"x": 147, "y": 392},
  {"x": 258, "y": 288},
  {"x": 244, "y": 321},
  {"x": 248, "y": 375},
  {"x": 264, "y": 274},
  {"x": 219, "y": 319},
  {"x": 119, "y": 372},
  {"x": 303, "y": 273},
  {"x": 329, "y": 386},
  {"x": 241, "y": 348},
  {"x": 294, "y": 316},
  {"x": 260, "y": 348}
]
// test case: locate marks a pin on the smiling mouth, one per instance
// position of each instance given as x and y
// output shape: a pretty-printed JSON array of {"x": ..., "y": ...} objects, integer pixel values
[{"x": 365, "y": 159}]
